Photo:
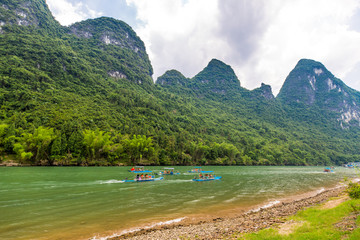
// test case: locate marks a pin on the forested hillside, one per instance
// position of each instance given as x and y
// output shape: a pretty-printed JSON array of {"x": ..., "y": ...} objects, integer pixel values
[{"x": 84, "y": 95}]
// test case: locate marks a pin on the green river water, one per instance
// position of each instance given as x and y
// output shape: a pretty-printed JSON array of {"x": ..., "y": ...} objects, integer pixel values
[{"x": 93, "y": 202}]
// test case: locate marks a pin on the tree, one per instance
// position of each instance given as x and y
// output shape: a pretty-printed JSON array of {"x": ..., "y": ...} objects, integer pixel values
[
  {"x": 55, "y": 150},
  {"x": 97, "y": 143},
  {"x": 139, "y": 147},
  {"x": 37, "y": 143}
]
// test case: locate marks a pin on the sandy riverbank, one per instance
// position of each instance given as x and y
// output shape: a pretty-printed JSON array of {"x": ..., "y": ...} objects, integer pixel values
[{"x": 250, "y": 221}]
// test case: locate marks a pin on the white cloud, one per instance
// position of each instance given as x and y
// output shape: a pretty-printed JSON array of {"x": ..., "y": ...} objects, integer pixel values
[
  {"x": 179, "y": 34},
  {"x": 67, "y": 13},
  {"x": 261, "y": 39},
  {"x": 306, "y": 29}
]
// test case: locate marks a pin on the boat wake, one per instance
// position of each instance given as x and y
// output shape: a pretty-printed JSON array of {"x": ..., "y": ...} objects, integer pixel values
[
  {"x": 111, "y": 181},
  {"x": 231, "y": 199},
  {"x": 176, "y": 220},
  {"x": 179, "y": 181},
  {"x": 192, "y": 202}
]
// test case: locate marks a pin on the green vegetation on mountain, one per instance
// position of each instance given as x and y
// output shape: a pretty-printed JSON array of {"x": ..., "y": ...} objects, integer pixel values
[
  {"x": 83, "y": 95},
  {"x": 217, "y": 78},
  {"x": 311, "y": 86},
  {"x": 34, "y": 15}
]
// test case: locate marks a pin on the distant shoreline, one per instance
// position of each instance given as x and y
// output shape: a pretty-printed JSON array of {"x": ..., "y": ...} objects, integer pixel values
[
  {"x": 250, "y": 221},
  {"x": 14, "y": 163}
]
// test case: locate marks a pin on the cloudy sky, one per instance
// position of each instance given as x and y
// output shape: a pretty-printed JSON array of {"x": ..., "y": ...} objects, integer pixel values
[{"x": 261, "y": 39}]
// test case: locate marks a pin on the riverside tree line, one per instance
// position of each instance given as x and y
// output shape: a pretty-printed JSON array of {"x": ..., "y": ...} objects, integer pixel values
[
  {"x": 47, "y": 146},
  {"x": 73, "y": 145}
]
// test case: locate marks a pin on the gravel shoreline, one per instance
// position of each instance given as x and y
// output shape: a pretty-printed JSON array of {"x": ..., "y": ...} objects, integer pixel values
[{"x": 219, "y": 228}]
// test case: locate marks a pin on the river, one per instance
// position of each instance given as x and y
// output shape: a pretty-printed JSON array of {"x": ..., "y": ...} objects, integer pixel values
[{"x": 94, "y": 202}]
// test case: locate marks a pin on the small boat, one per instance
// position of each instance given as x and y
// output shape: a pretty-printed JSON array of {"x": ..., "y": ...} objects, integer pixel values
[
  {"x": 207, "y": 177},
  {"x": 199, "y": 170},
  {"x": 139, "y": 169},
  {"x": 144, "y": 178},
  {"x": 328, "y": 170},
  {"x": 169, "y": 171}
]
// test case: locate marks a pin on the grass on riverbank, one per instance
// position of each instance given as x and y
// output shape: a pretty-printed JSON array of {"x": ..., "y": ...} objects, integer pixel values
[{"x": 320, "y": 222}]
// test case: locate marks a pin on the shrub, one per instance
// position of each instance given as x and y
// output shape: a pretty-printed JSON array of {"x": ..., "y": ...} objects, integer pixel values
[{"x": 354, "y": 190}]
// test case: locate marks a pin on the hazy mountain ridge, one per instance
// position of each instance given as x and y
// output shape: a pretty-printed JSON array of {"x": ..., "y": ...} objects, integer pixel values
[
  {"x": 309, "y": 84},
  {"x": 217, "y": 79}
]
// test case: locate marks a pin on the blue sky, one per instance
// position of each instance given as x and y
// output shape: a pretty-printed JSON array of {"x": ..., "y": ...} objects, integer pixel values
[{"x": 262, "y": 40}]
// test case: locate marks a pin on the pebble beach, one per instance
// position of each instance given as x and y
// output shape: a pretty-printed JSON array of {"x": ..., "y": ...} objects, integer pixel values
[{"x": 228, "y": 227}]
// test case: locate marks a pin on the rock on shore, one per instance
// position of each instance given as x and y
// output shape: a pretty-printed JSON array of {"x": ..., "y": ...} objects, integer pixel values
[{"x": 219, "y": 228}]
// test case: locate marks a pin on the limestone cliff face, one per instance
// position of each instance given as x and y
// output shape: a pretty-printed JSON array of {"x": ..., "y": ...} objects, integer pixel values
[
  {"x": 33, "y": 13},
  {"x": 110, "y": 31},
  {"x": 118, "y": 39},
  {"x": 113, "y": 35},
  {"x": 311, "y": 84}
]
